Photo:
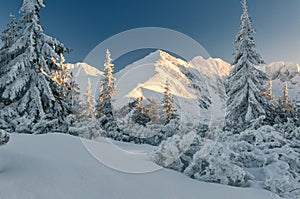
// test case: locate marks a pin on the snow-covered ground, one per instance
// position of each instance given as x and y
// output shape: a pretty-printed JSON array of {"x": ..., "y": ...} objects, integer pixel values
[{"x": 59, "y": 166}]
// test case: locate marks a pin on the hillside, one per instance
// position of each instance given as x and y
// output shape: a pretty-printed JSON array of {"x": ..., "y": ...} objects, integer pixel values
[
  {"x": 31, "y": 167},
  {"x": 281, "y": 72},
  {"x": 147, "y": 77},
  {"x": 82, "y": 72}
]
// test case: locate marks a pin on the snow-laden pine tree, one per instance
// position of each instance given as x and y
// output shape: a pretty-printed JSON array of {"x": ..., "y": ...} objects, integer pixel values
[
  {"x": 285, "y": 107},
  {"x": 61, "y": 77},
  {"x": 270, "y": 91},
  {"x": 82, "y": 121},
  {"x": 73, "y": 98},
  {"x": 28, "y": 96},
  {"x": 104, "y": 108},
  {"x": 247, "y": 101},
  {"x": 75, "y": 108},
  {"x": 9, "y": 35},
  {"x": 168, "y": 103},
  {"x": 153, "y": 111},
  {"x": 287, "y": 102},
  {"x": 139, "y": 113},
  {"x": 107, "y": 90},
  {"x": 88, "y": 103}
]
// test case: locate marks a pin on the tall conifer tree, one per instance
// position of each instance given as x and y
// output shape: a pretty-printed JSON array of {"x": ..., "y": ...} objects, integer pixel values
[
  {"x": 245, "y": 85},
  {"x": 28, "y": 96}
]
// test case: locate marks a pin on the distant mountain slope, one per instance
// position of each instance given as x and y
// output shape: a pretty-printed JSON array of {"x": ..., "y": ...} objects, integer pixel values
[
  {"x": 212, "y": 66},
  {"x": 190, "y": 81},
  {"x": 281, "y": 72},
  {"x": 147, "y": 77},
  {"x": 82, "y": 72}
]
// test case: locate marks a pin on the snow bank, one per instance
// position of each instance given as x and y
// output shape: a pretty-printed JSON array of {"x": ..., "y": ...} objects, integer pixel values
[{"x": 59, "y": 166}]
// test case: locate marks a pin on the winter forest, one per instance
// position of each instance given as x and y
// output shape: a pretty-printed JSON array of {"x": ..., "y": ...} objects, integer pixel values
[{"x": 255, "y": 145}]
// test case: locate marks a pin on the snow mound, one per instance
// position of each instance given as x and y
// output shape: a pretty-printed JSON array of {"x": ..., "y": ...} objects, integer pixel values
[{"x": 59, "y": 166}]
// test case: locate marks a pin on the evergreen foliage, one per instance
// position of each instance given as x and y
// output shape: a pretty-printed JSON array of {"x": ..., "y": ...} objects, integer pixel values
[
  {"x": 245, "y": 85},
  {"x": 29, "y": 98}
]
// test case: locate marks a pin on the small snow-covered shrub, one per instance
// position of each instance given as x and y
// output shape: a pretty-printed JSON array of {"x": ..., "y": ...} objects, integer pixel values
[
  {"x": 247, "y": 155},
  {"x": 288, "y": 129},
  {"x": 263, "y": 156},
  {"x": 272, "y": 150},
  {"x": 294, "y": 142},
  {"x": 217, "y": 166},
  {"x": 265, "y": 137},
  {"x": 256, "y": 148},
  {"x": 296, "y": 133},
  {"x": 89, "y": 129},
  {"x": 279, "y": 179},
  {"x": 4, "y": 137},
  {"x": 171, "y": 149},
  {"x": 45, "y": 125},
  {"x": 152, "y": 134}
]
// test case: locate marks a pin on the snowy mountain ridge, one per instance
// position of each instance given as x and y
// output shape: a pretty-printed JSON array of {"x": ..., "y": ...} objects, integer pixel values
[
  {"x": 82, "y": 69},
  {"x": 282, "y": 72},
  {"x": 212, "y": 66},
  {"x": 146, "y": 77},
  {"x": 82, "y": 72}
]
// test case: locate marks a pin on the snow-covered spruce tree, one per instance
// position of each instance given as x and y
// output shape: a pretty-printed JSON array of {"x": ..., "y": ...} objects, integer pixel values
[
  {"x": 89, "y": 103},
  {"x": 28, "y": 95},
  {"x": 288, "y": 105},
  {"x": 270, "y": 94},
  {"x": 168, "y": 103},
  {"x": 9, "y": 35},
  {"x": 285, "y": 108},
  {"x": 82, "y": 121},
  {"x": 279, "y": 118},
  {"x": 62, "y": 78},
  {"x": 73, "y": 98},
  {"x": 104, "y": 109},
  {"x": 153, "y": 111},
  {"x": 75, "y": 108},
  {"x": 246, "y": 94},
  {"x": 139, "y": 113}
]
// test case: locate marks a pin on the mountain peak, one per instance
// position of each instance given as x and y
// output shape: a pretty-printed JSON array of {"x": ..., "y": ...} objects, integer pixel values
[
  {"x": 212, "y": 66},
  {"x": 83, "y": 69}
]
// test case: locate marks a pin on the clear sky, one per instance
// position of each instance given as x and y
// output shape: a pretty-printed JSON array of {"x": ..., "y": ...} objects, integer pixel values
[{"x": 81, "y": 25}]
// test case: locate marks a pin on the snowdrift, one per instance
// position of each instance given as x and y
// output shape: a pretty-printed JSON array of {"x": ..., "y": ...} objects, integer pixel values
[{"x": 59, "y": 166}]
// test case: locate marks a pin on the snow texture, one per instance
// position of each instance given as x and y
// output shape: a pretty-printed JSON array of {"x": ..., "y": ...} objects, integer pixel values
[{"x": 37, "y": 170}]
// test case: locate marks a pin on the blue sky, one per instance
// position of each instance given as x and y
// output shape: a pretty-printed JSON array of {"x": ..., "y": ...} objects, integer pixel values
[{"x": 81, "y": 25}]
